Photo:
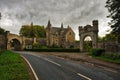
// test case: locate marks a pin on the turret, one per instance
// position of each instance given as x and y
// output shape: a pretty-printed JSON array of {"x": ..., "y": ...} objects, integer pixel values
[
  {"x": 95, "y": 23},
  {"x": 61, "y": 25},
  {"x": 31, "y": 24},
  {"x": 49, "y": 24},
  {"x": 68, "y": 27}
]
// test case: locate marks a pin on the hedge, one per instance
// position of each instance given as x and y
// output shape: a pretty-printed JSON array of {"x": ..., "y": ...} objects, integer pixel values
[
  {"x": 113, "y": 56},
  {"x": 97, "y": 51},
  {"x": 54, "y": 50}
]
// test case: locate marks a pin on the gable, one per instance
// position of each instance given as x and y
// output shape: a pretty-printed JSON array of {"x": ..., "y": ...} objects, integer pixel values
[{"x": 70, "y": 32}]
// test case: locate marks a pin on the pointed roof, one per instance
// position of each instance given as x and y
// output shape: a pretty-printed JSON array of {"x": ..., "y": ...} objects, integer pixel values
[
  {"x": 49, "y": 24},
  {"x": 61, "y": 25}
]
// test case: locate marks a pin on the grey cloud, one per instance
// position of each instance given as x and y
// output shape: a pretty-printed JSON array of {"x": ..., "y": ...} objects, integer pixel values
[{"x": 70, "y": 12}]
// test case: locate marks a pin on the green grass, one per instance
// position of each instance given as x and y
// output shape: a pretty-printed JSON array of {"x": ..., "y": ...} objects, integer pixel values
[
  {"x": 12, "y": 67},
  {"x": 108, "y": 59}
]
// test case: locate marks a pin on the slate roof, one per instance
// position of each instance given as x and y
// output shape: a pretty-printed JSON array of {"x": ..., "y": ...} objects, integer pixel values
[{"x": 58, "y": 30}]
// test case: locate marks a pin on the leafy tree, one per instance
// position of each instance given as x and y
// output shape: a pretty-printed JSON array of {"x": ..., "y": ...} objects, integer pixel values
[
  {"x": 110, "y": 37},
  {"x": 36, "y": 31},
  {"x": 2, "y": 30},
  {"x": 25, "y": 30},
  {"x": 114, "y": 9}
]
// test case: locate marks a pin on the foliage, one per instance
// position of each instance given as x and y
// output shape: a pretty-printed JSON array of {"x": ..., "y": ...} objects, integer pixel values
[
  {"x": 12, "y": 67},
  {"x": 110, "y": 57},
  {"x": 2, "y": 30},
  {"x": 100, "y": 39},
  {"x": 97, "y": 51},
  {"x": 54, "y": 50},
  {"x": 36, "y": 31},
  {"x": 77, "y": 41},
  {"x": 114, "y": 9},
  {"x": 110, "y": 37},
  {"x": 43, "y": 47},
  {"x": 87, "y": 45},
  {"x": 113, "y": 56},
  {"x": 38, "y": 46}
]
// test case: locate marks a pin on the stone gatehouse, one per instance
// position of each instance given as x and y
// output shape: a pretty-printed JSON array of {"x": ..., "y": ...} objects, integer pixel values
[{"x": 91, "y": 31}]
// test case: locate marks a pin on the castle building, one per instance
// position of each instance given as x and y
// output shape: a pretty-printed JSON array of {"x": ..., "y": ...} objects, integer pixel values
[{"x": 61, "y": 37}]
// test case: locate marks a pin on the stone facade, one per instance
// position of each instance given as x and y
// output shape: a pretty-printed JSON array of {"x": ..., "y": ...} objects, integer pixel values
[
  {"x": 91, "y": 31},
  {"x": 39, "y": 41},
  {"x": 61, "y": 37}
]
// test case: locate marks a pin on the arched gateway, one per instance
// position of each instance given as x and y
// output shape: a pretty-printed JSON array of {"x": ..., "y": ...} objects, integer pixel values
[
  {"x": 91, "y": 31},
  {"x": 14, "y": 41}
]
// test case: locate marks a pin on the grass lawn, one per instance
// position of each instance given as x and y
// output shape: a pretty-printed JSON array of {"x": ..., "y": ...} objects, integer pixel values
[
  {"x": 12, "y": 67},
  {"x": 108, "y": 59}
]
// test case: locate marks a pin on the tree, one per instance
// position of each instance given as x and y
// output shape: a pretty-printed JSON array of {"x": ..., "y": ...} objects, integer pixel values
[
  {"x": 28, "y": 31},
  {"x": 2, "y": 30},
  {"x": 110, "y": 37},
  {"x": 114, "y": 9}
]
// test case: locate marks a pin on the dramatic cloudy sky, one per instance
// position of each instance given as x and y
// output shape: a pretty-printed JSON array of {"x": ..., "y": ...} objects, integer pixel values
[{"x": 74, "y": 13}]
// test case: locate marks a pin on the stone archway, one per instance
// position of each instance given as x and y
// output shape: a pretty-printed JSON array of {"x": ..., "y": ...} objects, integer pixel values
[
  {"x": 17, "y": 40},
  {"x": 92, "y": 31},
  {"x": 15, "y": 44}
]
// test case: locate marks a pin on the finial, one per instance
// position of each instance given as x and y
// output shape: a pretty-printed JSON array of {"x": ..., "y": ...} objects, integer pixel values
[
  {"x": 68, "y": 26},
  {"x": 61, "y": 25},
  {"x": 31, "y": 23},
  {"x": 49, "y": 24}
]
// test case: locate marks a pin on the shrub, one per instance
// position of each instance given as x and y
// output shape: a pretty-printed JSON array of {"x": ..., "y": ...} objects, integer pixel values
[
  {"x": 112, "y": 56},
  {"x": 43, "y": 47},
  {"x": 97, "y": 51}
]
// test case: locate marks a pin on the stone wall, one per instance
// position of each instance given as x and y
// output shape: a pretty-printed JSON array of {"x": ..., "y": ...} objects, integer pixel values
[
  {"x": 2, "y": 42},
  {"x": 110, "y": 46}
]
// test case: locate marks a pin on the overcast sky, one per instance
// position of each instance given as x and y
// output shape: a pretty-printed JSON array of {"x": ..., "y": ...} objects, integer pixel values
[{"x": 74, "y": 13}]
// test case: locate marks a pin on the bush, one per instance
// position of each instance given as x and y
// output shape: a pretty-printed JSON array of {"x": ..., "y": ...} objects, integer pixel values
[
  {"x": 43, "y": 47},
  {"x": 97, "y": 51},
  {"x": 53, "y": 50},
  {"x": 112, "y": 56}
]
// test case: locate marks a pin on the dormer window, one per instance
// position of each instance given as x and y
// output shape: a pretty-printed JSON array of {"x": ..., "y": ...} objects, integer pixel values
[{"x": 70, "y": 33}]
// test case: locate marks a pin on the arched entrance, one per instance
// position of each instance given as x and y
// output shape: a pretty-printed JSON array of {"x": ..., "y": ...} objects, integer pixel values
[
  {"x": 15, "y": 44},
  {"x": 91, "y": 31},
  {"x": 87, "y": 44},
  {"x": 14, "y": 41}
]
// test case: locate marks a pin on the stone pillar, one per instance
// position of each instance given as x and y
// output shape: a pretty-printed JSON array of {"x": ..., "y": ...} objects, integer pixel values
[
  {"x": 23, "y": 43},
  {"x": 95, "y": 40},
  {"x": 81, "y": 43}
]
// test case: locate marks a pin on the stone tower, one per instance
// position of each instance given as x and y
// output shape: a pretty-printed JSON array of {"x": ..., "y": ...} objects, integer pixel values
[
  {"x": 48, "y": 34},
  {"x": 91, "y": 31}
]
